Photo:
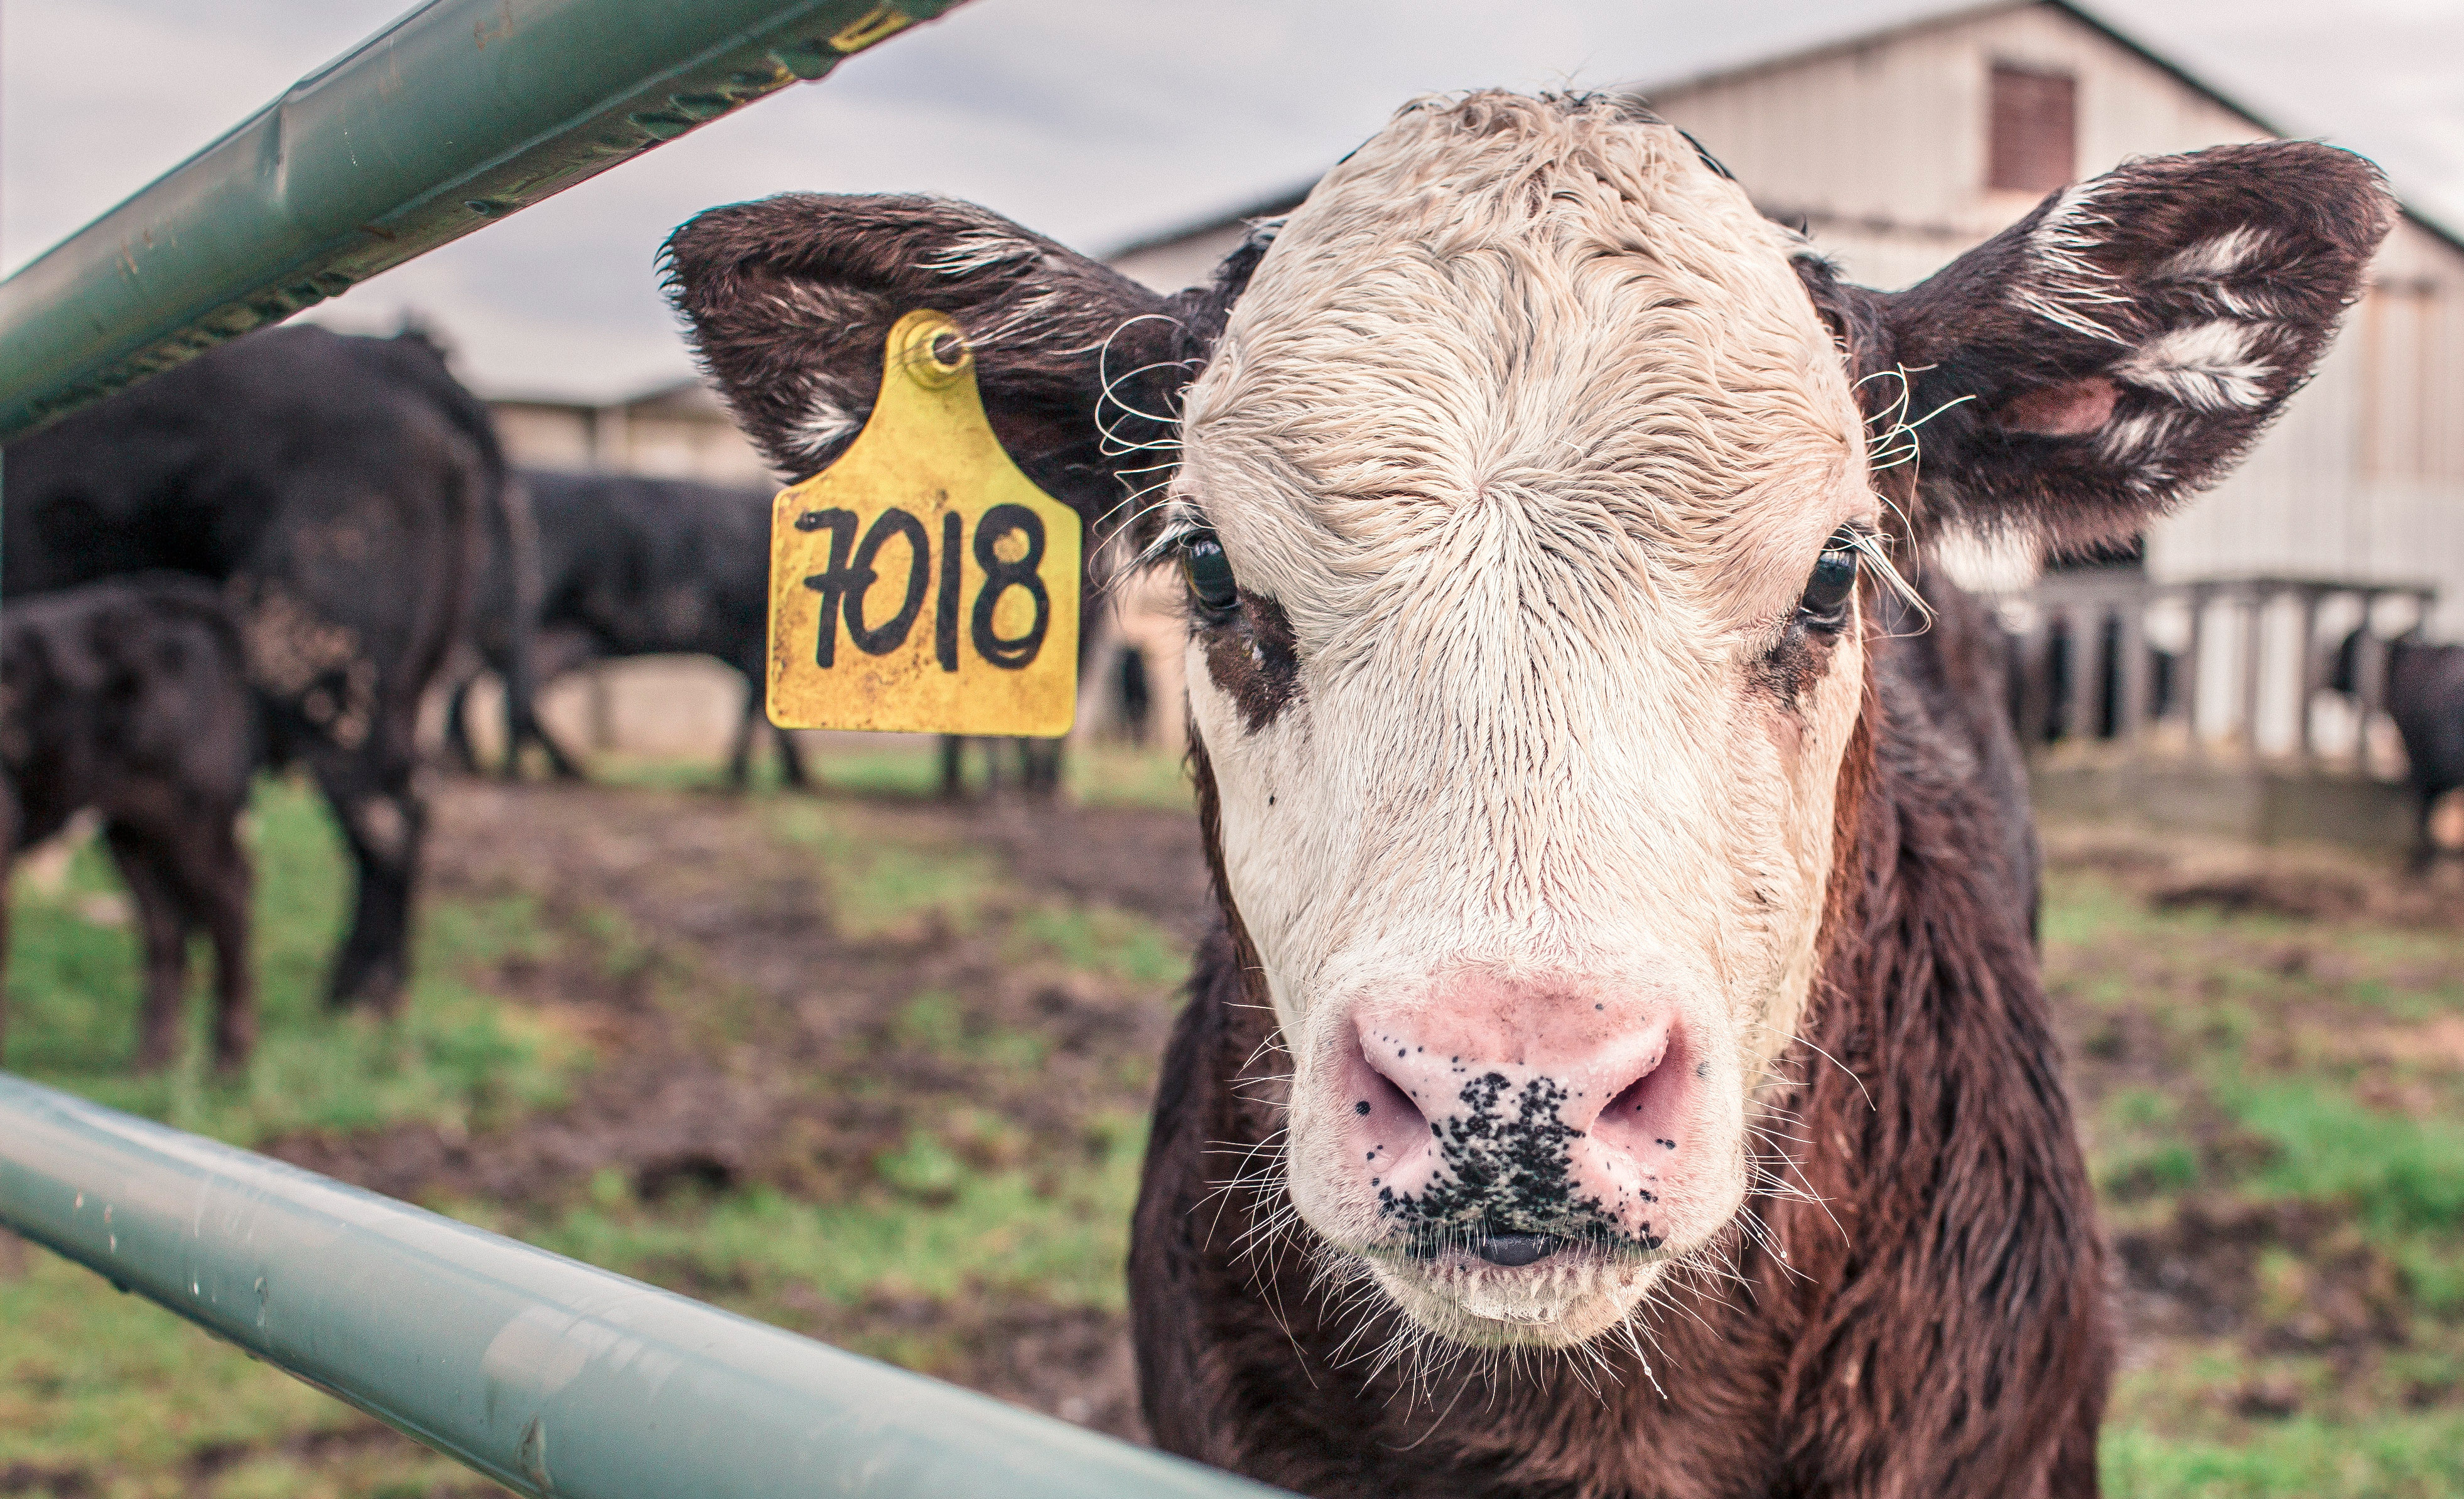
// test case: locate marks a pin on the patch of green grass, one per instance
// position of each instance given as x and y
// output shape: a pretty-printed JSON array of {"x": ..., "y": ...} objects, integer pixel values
[
  {"x": 1103, "y": 775},
  {"x": 935, "y": 1230},
  {"x": 1101, "y": 940},
  {"x": 910, "y": 770},
  {"x": 2395, "y": 1457},
  {"x": 2398, "y": 1173},
  {"x": 881, "y": 887},
  {"x": 455, "y": 1057},
  {"x": 89, "y": 1377}
]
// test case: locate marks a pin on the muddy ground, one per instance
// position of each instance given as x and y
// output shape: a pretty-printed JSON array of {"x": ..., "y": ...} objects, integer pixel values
[
  {"x": 831, "y": 999},
  {"x": 743, "y": 1037}
]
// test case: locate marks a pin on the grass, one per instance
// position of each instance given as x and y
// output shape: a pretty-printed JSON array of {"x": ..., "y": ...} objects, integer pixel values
[
  {"x": 454, "y": 1057},
  {"x": 1097, "y": 772},
  {"x": 2252, "y": 1071},
  {"x": 2398, "y": 1457},
  {"x": 2258, "y": 1101},
  {"x": 960, "y": 1216}
]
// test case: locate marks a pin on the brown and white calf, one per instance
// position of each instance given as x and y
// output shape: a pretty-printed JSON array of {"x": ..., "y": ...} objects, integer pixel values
[{"x": 1622, "y": 1068}]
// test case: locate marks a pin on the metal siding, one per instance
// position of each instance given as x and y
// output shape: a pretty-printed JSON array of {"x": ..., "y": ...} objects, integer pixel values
[{"x": 1883, "y": 146}]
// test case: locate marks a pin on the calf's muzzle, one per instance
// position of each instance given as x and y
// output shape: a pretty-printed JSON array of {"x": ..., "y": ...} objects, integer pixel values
[{"x": 1506, "y": 1119}]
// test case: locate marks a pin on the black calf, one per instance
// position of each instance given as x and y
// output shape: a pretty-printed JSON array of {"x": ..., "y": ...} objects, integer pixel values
[
  {"x": 339, "y": 488},
  {"x": 2424, "y": 693},
  {"x": 131, "y": 697},
  {"x": 632, "y": 566}
]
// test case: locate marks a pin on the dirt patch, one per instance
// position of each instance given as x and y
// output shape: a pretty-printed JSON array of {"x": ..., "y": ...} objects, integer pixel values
[
  {"x": 2306, "y": 883},
  {"x": 54, "y": 1483},
  {"x": 2302, "y": 894},
  {"x": 740, "y": 1039},
  {"x": 364, "y": 1444},
  {"x": 1150, "y": 862},
  {"x": 2207, "y": 1271}
]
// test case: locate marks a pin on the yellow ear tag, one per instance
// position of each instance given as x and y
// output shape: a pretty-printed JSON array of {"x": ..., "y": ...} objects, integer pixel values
[{"x": 922, "y": 582}]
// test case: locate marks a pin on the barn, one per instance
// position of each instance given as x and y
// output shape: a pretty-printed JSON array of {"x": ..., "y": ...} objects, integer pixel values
[{"x": 1896, "y": 150}]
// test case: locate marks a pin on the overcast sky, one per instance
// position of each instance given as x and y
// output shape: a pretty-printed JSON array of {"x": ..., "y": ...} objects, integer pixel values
[{"x": 1093, "y": 120}]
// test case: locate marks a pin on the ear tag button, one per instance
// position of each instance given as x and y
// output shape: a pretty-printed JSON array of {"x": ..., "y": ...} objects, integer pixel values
[{"x": 922, "y": 584}]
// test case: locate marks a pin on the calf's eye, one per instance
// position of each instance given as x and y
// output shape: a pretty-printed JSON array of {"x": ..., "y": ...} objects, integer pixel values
[
  {"x": 1209, "y": 573},
  {"x": 1825, "y": 604}
]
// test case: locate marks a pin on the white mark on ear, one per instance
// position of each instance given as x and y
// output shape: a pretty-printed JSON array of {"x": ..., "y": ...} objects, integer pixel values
[
  {"x": 2206, "y": 366},
  {"x": 2215, "y": 259},
  {"x": 2132, "y": 438},
  {"x": 2061, "y": 284},
  {"x": 981, "y": 250},
  {"x": 825, "y": 422},
  {"x": 1994, "y": 561}
]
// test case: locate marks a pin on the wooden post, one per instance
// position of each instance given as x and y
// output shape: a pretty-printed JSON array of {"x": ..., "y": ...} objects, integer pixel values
[
  {"x": 2253, "y": 605},
  {"x": 2087, "y": 622},
  {"x": 2369, "y": 683},
  {"x": 2187, "y": 678},
  {"x": 2130, "y": 715},
  {"x": 2305, "y": 681}
]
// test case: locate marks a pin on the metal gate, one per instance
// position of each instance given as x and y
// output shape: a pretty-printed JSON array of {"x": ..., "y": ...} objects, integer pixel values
[{"x": 548, "y": 1376}]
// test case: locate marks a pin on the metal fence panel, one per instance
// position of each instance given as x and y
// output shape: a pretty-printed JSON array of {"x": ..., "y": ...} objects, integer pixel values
[
  {"x": 549, "y": 1376},
  {"x": 461, "y": 113}
]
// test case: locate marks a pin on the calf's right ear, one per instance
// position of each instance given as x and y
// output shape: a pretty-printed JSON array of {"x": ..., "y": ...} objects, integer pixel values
[
  {"x": 2116, "y": 350},
  {"x": 791, "y": 302}
]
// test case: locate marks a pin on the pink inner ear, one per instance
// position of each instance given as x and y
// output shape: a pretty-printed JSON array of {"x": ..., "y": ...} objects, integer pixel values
[{"x": 2072, "y": 408}]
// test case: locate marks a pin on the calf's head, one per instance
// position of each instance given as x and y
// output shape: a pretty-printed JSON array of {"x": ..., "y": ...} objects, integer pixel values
[{"x": 1533, "y": 494}]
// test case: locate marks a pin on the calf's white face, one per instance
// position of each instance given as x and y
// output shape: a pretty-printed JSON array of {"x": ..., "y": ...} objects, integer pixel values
[{"x": 1522, "y": 447}]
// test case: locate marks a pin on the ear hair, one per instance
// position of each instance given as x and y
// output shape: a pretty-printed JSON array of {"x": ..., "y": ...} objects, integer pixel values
[
  {"x": 2120, "y": 348},
  {"x": 789, "y": 301}
]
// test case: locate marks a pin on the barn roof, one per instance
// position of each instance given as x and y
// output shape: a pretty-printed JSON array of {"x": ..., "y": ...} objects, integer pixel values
[{"x": 1855, "y": 32}]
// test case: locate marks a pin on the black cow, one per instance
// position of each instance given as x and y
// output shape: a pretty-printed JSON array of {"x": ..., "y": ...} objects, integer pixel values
[
  {"x": 2424, "y": 693},
  {"x": 632, "y": 566},
  {"x": 339, "y": 488},
  {"x": 131, "y": 697}
]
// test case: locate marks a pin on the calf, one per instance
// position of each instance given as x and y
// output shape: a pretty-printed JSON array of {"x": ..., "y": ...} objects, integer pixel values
[
  {"x": 131, "y": 697},
  {"x": 1621, "y": 1066},
  {"x": 632, "y": 566},
  {"x": 339, "y": 490},
  {"x": 2424, "y": 693}
]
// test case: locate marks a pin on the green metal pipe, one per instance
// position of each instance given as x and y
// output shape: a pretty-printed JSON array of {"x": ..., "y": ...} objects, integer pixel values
[
  {"x": 546, "y": 1374},
  {"x": 461, "y": 113}
]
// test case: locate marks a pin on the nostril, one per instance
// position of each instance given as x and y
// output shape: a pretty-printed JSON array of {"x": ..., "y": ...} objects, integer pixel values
[
  {"x": 1380, "y": 1099},
  {"x": 1636, "y": 1098},
  {"x": 1648, "y": 1114}
]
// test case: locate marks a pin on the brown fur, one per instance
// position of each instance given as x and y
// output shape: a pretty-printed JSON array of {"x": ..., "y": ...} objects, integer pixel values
[{"x": 1946, "y": 1337}]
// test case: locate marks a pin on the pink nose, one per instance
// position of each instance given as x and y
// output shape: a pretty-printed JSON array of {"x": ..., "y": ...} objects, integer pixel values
[{"x": 1490, "y": 1113}]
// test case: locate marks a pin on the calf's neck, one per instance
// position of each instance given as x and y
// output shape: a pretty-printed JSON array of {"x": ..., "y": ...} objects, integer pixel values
[{"x": 1620, "y": 1068}]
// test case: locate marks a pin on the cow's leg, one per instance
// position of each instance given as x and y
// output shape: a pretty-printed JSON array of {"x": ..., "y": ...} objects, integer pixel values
[
  {"x": 739, "y": 754},
  {"x": 383, "y": 823},
  {"x": 218, "y": 883},
  {"x": 791, "y": 759},
  {"x": 457, "y": 726},
  {"x": 146, "y": 867},
  {"x": 953, "y": 767},
  {"x": 523, "y": 726},
  {"x": 1040, "y": 762},
  {"x": 2425, "y": 847},
  {"x": 8, "y": 867}
]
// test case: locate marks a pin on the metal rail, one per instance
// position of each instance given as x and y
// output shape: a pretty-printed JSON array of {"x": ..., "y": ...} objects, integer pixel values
[
  {"x": 455, "y": 116},
  {"x": 548, "y": 1376}
]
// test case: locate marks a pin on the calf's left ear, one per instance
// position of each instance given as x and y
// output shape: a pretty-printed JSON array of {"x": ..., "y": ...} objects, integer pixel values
[
  {"x": 2118, "y": 349},
  {"x": 790, "y": 300}
]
